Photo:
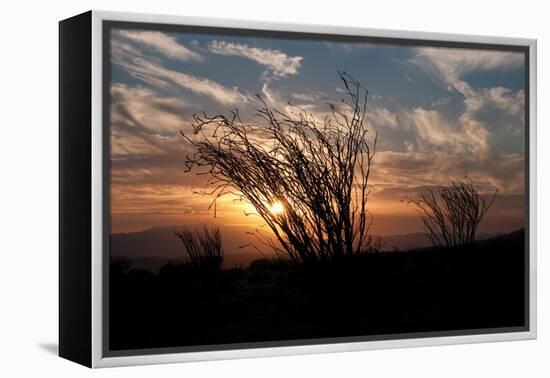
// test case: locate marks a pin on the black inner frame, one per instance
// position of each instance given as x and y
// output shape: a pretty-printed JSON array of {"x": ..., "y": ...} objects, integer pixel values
[{"x": 108, "y": 26}]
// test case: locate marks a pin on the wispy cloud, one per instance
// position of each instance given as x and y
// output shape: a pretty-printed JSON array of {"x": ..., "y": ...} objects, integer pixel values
[
  {"x": 408, "y": 169},
  {"x": 503, "y": 99},
  {"x": 151, "y": 71},
  {"x": 450, "y": 65},
  {"x": 434, "y": 132},
  {"x": 380, "y": 117},
  {"x": 141, "y": 108},
  {"x": 163, "y": 43},
  {"x": 304, "y": 97},
  {"x": 276, "y": 61},
  {"x": 146, "y": 147}
]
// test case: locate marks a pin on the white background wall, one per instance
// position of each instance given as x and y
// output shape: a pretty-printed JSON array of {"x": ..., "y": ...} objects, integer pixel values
[{"x": 28, "y": 201}]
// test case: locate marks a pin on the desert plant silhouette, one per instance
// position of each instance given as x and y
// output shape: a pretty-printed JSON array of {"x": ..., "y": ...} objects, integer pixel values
[
  {"x": 203, "y": 246},
  {"x": 307, "y": 179},
  {"x": 452, "y": 216}
]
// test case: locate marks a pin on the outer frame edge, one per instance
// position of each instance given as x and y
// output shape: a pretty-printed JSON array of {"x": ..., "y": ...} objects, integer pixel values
[
  {"x": 97, "y": 353},
  {"x": 310, "y": 28},
  {"x": 74, "y": 221},
  {"x": 534, "y": 183},
  {"x": 97, "y": 191}
]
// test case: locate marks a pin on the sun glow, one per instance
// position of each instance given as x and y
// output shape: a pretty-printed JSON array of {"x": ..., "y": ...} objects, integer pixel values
[{"x": 277, "y": 208}]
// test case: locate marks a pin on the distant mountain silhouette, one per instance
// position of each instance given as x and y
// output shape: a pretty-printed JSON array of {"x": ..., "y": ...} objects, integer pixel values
[
  {"x": 150, "y": 249},
  {"x": 416, "y": 240},
  {"x": 154, "y": 242}
]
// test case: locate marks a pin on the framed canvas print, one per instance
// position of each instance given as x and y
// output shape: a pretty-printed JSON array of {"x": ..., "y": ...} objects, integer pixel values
[{"x": 236, "y": 189}]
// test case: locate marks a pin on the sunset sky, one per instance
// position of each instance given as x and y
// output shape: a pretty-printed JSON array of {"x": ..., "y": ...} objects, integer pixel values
[{"x": 439, "y": 113}]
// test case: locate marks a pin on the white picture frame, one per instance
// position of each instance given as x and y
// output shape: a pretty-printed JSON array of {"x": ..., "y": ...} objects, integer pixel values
[{"x": 98, "y": 358}]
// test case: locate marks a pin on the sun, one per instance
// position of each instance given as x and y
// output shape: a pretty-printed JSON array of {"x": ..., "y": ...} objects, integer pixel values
[{"x": 277, "y": 208}]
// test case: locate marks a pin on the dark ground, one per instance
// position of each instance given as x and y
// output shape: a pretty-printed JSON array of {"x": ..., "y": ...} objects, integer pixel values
[{"x": 475, "y": 287}]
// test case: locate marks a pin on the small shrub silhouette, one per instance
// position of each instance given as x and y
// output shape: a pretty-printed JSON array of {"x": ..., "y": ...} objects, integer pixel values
[
  {"x": 452, "y": 216},
  {"x": 373, "y": 245},
  {"x": 203, "y": 246}
]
